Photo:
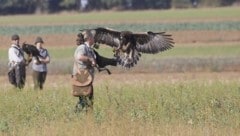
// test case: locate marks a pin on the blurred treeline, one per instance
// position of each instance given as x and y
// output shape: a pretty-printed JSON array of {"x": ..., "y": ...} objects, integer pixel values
[{"x": 53, "y": 6}]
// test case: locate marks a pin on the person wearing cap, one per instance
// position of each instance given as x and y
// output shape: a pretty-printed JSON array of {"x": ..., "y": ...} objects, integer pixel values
[
  {"x": 17, "y": 63},
  {"x": 40, "y": 67},
  {"x": 83, "y": 71}
]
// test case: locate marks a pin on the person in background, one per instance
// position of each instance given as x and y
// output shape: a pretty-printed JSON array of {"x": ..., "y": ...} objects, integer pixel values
[
  {"x": 17, "y": 63},
  {"x": 39, "y": 65}
]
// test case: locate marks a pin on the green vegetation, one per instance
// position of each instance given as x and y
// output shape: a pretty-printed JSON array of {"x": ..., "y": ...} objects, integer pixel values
[
  {"x": 193, "y": 50},
  {"x": 149, "y": 99},
  {"x": 181, "y": 58},
  {"x": 197, "y": 50},
  {"x": 156, "y": 27},
  {"x": 201, "y": 15},
  {"x": 196, "y": 103},
  {"x": 35, "y": 6}
]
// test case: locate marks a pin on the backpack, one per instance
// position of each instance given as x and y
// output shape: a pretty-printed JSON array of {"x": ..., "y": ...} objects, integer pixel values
[{"x": 11, "y": 76}]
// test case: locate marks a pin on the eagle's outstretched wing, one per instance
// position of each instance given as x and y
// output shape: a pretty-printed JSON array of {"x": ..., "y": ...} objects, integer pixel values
[
  {"x": 134, "y": 43},
  {"x": 153, "y": 42},
  {"x": 105, "y": 36},
  {"x": 148, "y": 42}
]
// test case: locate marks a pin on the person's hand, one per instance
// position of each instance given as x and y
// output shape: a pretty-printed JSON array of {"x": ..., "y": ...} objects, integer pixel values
[
  {"x": 96, "y": 46},
  {"x": 37, "y": 62},
  {"x": 92, "y": 61},
  {"x": 42, "y": 60}
]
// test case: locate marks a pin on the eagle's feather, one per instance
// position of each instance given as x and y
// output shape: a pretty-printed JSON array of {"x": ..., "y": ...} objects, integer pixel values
[
  {"x": 106, "y": 36},
  {"x": 31, "y": 50},
  {"x": 153, "y": 42},
  {"x": 129, "y": 45}
]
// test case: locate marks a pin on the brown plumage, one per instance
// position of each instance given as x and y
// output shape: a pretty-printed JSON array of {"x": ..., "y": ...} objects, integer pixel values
[
  {"x": 31, "y": 50},
  {"x": 128, "y": 46}
]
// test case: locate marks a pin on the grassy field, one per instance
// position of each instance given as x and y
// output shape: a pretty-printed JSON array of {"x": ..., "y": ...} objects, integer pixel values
[
  {"x": 192, "y": 89},
  {"x": 182, "y": 58},
  {"x": 140, "y": 104},
  {"x": 159, "y": 103},
  {"x": 190, "y": 50},
  {"x": 70, "y": 29},
  {"x": 109, "y": 17}
]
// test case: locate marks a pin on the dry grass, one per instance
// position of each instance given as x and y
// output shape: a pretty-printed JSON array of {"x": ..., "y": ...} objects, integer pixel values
[
  {"x": 125, "y": 127},
  {"x": 58, "y": 117}
]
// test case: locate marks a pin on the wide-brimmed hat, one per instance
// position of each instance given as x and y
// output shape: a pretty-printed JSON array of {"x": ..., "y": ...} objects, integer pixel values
[
  {"x": 15, "y": 37},
  {"x": 39, "y": 40}
]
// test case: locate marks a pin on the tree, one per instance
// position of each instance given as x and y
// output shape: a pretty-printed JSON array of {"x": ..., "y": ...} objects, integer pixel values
[
  {"x": 17, "y": 6},
  {"x": 51, "y": 6}
]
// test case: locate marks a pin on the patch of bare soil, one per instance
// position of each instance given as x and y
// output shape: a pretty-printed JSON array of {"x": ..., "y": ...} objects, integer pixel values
[
  {"x": 101, "y": 77},
  {"x": 138, "y": 78},
  {"x": 178, "y": 36},
  {"x": 205, "y": 36},
  {"x": 50, "y": 40}
]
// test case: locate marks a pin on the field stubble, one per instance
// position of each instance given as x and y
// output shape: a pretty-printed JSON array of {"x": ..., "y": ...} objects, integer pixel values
[{"x": 127, "y": 104}]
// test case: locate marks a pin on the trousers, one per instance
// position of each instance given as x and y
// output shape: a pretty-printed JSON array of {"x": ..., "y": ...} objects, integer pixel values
[
  {"x": 39, "y": 79},
  {"x": 19, "y": 76}
]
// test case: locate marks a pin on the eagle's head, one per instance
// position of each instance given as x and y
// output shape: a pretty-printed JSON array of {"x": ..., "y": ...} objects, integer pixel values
[
  {"x": 125, "y": 37},
  {"x": 25, "y": 48}
]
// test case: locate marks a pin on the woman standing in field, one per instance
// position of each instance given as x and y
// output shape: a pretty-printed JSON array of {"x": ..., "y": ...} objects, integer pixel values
[{"x": 39, "y": 66}]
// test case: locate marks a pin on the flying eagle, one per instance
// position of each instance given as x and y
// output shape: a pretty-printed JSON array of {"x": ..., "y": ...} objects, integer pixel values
[{"x": 128, "y": 46}]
